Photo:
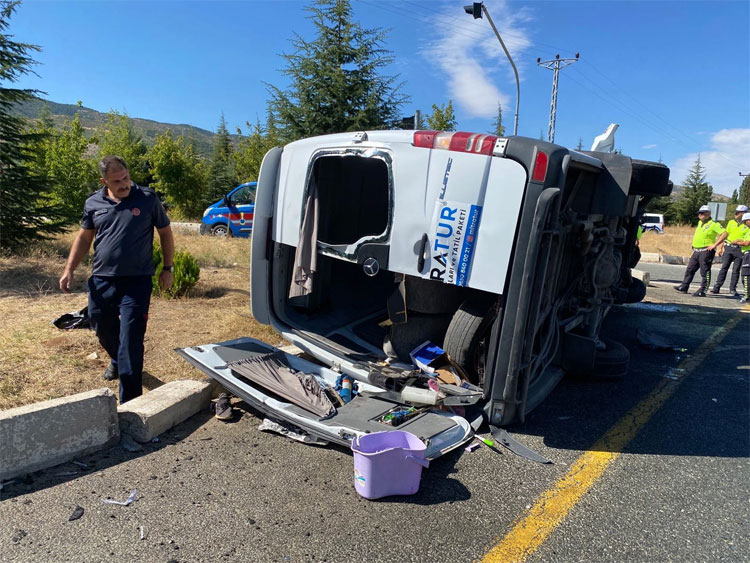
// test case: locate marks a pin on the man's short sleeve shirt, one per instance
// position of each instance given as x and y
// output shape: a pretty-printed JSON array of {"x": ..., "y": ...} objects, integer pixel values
[
  {"x": 734, "y": 230},
  {"x": 706, "y": 233},
  {"x": 123, "y": 245}
]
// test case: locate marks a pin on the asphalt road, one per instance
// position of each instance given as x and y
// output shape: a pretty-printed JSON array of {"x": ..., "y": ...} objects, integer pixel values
[{"x": 209, "y": 491}]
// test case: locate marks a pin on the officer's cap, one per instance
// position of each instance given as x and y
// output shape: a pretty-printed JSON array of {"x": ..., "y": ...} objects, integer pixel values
[
  {"x": 746, "y": 217},
  {"x": 741, "y": 209},
  {"x": 704, "y": 209}
]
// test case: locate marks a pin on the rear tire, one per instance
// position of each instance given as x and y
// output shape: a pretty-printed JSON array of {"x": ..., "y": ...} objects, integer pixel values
[
  {"x": 612, "y": 361},
  {"x": 467, "y": 338}
]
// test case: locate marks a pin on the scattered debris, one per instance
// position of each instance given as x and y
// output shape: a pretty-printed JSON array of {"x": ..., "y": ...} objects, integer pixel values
[
  {"x": 129, "y": 445},
  {"x": 66, "y": 473},
  {"x": 155, "y": 440},
  {"x": 715, "y": 400},
  {"x": 77, "y": 513},
  {"x": 19, "y": 535},
  {"x": 143, "y": 532},
  {"x": 515, "y": 446},
  {"x": 129, "y": 501},
  {"x": 471, "y": 447},
  {"x": 652, "y": 341},
  {"x": 80, "y": 464},
  {"x": 293, "y": 433},
  {"x": 92, "y": 356}
]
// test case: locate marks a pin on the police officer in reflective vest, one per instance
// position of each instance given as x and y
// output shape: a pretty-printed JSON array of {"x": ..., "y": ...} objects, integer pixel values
[
  {"x": 708, "y": 235},
  {"x": 744, "y": 244},
  {"x": 732, "y": 253}
]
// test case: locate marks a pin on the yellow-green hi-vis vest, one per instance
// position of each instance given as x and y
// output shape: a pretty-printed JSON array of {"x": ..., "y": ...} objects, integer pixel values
[{"x": 706, "y": 233}]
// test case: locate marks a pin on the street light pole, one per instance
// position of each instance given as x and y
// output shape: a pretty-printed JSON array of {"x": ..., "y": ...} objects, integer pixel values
[{"x": 476, "y": 9}]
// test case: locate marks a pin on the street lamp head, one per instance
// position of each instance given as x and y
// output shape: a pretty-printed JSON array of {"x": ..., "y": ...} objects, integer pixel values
[
  {"x": 538, "y": 60},
  {"x": 474, "y": 9}
]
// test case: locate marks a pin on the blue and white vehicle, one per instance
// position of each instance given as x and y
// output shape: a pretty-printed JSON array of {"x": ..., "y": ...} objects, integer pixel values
[
  {"x": 231, "y": 214},
  {"x": 507, "y": 253}
]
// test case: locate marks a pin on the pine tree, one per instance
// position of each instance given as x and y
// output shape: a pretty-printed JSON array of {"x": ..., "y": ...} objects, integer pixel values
[
  {"x": 71, "y": 175},
  {"x": 222, "y": 175},
  {"x": 179, "y": 173},
  {"x": 251, "y": 149},
  {"x": 442, "y": 117},
  {"x": 497, "y": 126},
  {"x": 336, "y": 83},
  {"x": 743, "y": 194},
  {"x": 25, "y": 211},
  {"x": 118, "y": 137},
  {"x": 696, "y": 192}
]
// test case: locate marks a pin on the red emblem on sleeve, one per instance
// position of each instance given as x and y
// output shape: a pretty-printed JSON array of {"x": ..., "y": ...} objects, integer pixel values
[{"x": 135, "y": 211}]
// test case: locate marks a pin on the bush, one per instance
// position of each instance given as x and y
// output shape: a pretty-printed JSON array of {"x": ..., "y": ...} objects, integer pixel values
[{"x": 186, "y": 273}]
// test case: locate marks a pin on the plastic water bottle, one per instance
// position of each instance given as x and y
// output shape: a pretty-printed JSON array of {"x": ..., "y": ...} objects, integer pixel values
[{"x": 346, "y": 389}]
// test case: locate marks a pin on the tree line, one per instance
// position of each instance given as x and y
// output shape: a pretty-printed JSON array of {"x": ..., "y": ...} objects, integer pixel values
[{"x": 337, "y": 84}]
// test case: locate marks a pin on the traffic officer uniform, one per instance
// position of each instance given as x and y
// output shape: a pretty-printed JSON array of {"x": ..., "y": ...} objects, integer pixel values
[
  {"x": 732, "y": 254},
  {"x": 705, "y": 235},
  {"x": 745, "y": 237},
  {"x": 120, "y": 286}
]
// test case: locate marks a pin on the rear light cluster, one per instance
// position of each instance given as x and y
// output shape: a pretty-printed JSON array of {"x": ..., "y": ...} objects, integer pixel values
[
  {"x": 461, "y": 141},
  {"x": 476, "y": 143}
]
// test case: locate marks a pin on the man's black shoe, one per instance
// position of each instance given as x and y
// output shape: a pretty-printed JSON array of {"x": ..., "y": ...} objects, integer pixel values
[
  {"x": 111, "y": 373},
  {"x": 715, "y": 291},
  {"x": 735, "y": 294},
  {"x": 680, "y": 289},
  {"x": 699, "y": 293}
]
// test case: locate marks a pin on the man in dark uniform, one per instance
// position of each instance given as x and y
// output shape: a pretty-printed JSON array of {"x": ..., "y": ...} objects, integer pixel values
[
  {"x": 731, "y": 254},
  {"x": 120, "y": 219},
  {"x": 708, "y": 235},
  {"x": 744, "y": 243}
]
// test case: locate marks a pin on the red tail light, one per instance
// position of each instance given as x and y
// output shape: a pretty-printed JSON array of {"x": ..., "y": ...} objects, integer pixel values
[
  {"x": 540, "y": 166},
  {"x": 461, "y": 141}
]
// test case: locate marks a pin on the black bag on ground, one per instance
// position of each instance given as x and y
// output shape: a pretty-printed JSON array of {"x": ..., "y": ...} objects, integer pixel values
[{"x": 76, "y": 319}]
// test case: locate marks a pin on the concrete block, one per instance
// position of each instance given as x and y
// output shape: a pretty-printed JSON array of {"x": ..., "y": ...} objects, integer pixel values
[
  {"x": 650, "y": 257},
  {"x": 159, "y": 410},
  {"x": 645, "y": 277},
  {"x": 667, "y": 259},
  {"x": 292, "y": 350},
  {"x": 48, "y": 433}
]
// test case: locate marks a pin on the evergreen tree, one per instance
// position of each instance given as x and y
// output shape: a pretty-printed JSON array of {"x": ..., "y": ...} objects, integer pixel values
[
  {"x": 179, "y": 173},
  {"x": 696, "y": 192},
  {"x": 222, "y": 175},
  {"x": 336, "y": 83},
  {"x": 442, "y": 118},
  {"x": 72, "y": 176},
  {"x": 118, "y": 137},
  {"x": 25, "y": 211},
  {"x": 742, "y": 196},
  {"x": 497, "y": 126},
  {"x": 251, "y": 149}
]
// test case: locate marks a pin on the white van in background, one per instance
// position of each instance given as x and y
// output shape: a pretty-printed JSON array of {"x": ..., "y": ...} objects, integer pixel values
[{"x": 653, "y": 222}]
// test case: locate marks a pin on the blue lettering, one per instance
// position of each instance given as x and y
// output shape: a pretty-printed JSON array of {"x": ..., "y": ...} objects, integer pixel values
[
  {"x": 445, "y": 226},
  {"x": 448, "y": 214}
]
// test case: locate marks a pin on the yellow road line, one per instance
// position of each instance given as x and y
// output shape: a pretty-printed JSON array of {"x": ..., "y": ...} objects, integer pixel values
[{"x": 553, "y": 505}]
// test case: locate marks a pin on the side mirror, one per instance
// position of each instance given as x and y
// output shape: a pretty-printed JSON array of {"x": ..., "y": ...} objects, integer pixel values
[{"x": 227, "y": 201}]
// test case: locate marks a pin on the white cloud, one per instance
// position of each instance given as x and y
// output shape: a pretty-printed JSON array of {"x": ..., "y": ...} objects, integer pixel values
[
  {"x": 470, "y": 56},
  {"x": 728, "y": 155},
  {"x": 647, "y": 147}
]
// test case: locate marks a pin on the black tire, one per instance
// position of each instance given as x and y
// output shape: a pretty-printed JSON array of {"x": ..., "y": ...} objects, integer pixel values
[
  {"x": 467, "y": 336},
  {"x": 612, "y": 361},
  {"x": 219, "y": 230},
  {"x": 650, "y": 178}
]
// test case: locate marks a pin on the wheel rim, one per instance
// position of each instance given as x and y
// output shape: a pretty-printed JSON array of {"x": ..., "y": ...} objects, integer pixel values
[{"x": 220, "y": 231}]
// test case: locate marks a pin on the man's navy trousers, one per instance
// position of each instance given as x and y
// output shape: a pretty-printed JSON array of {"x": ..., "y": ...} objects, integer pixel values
[{"x": 118, "y": 312}]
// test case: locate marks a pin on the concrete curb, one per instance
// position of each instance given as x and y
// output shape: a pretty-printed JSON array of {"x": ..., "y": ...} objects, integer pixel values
[
  {"x": 159, "y": 410},
  {"x": 49, "y": 433},
  {"x": 665, "y": 258},
  {"x": 645, "y": 277}
]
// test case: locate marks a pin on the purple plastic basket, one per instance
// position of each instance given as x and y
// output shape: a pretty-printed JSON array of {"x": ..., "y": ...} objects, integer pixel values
[{"x": 388, "y": 463}]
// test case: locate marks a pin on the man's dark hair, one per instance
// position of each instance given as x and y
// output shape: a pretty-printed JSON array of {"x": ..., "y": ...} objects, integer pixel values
[{"x": 111, "y": 161}]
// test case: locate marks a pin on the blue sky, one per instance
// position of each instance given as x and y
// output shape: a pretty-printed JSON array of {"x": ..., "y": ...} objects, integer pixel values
[{"x": 674, "y": 75}]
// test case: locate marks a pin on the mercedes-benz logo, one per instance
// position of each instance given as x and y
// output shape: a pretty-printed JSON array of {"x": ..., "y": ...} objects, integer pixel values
[{"x": 371, "y": 266}]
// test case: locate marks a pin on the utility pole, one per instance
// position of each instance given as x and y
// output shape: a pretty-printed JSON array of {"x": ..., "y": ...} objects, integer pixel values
[{"x": 555, "y": 65}]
